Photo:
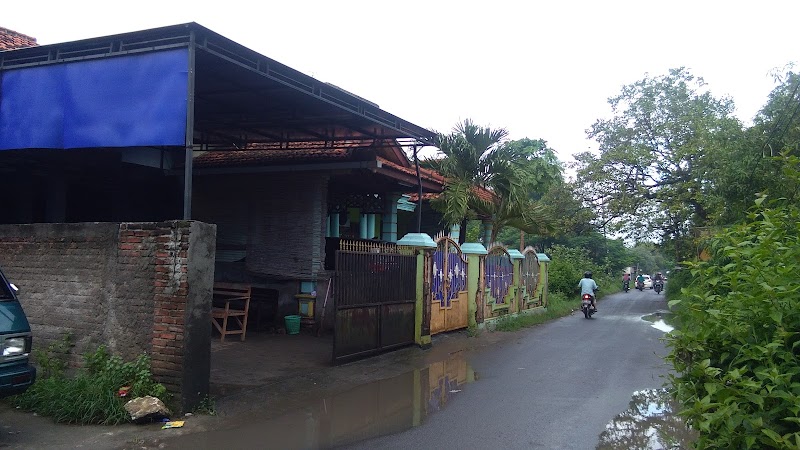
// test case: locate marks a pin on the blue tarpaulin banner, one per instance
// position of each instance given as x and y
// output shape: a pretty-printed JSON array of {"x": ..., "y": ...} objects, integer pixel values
[{"x": 127, "y": 101}]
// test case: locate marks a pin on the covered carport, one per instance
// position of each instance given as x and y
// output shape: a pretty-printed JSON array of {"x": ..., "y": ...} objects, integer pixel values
[
  {"x": 134, "y": 108},
  {"x": 106, "y": 130}
]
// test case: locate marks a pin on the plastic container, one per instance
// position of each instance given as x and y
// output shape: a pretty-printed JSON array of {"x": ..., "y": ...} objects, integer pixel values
[
  {"x": 292, "y": 324},
  {"x": 306, "y": 307}
]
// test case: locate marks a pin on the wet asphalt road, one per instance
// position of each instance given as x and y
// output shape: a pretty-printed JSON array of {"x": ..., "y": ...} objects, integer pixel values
[{"x": 554, "y": 386}]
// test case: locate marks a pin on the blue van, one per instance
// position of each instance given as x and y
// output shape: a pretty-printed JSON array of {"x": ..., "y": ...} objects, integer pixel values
[{"x": 16, "y": 372}]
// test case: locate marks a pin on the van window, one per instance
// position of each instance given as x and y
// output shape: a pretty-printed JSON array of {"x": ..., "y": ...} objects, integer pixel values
[{"x": 5, "y": 290}]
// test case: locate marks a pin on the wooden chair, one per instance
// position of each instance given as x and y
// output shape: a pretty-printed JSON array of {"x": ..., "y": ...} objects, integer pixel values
[{"x": 231, "y": 301}]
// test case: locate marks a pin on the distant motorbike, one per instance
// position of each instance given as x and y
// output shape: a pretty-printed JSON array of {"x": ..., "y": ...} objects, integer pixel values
[
  {"x": 586, "y": 305},
  {"x": 658, "y": 286},
  {"x": 626, "y": 286},
  {"x": 640, "y": 285}
]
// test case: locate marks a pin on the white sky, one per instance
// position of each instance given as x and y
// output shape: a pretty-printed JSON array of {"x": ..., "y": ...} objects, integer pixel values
[{"x": 541, "y": 69}]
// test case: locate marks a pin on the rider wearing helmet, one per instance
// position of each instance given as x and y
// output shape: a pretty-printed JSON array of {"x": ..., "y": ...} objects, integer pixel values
[{"x": 588, "y": 286}]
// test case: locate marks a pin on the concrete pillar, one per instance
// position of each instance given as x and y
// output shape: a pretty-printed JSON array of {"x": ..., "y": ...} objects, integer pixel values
[
  {"x": 389, "y": 219},
  {"x": 475, "y": 254},
  {"x": 335, "y": 225},
  {"x": 362, "y": 227},
  {"x": 516, "y": 281},
  {"x": 328, "y": 226},
  {"x": 487, "y": 233},
  {"x": 370, "y": 226},
  {"x": 423, "y": 246},
  {"x": 455, "y": 231}
]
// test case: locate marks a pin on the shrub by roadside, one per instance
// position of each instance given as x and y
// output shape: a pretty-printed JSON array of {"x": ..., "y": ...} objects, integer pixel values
[
  {"x": 735, "y": 357},
  {"x": 93, "y": 395}
]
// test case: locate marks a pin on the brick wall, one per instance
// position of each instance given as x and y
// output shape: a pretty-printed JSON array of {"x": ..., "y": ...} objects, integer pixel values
[
  {"x": 135, "y": 287},
  {"x": 285, "y": 216}
]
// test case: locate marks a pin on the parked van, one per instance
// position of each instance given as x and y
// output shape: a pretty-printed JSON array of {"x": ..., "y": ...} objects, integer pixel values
[{"x": 16, "y": 373}]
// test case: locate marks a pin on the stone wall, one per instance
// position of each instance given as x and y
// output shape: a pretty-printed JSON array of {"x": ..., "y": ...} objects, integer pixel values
[{"x": 134, "y": 287}]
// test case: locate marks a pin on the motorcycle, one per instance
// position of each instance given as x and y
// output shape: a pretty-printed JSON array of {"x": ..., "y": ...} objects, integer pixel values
[
  {"x": 658, "y": 286},
  {"x": 626, "y": 286},
  {"x": 586, "y": 306},
  {"x": 640, "y": 285}
]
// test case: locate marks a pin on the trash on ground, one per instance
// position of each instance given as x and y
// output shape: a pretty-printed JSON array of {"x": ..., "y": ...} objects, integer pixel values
[{"x": 173, "y": 424}]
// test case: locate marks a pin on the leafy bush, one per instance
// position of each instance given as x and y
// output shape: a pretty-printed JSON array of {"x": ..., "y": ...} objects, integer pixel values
[
  {"x": 91, "y": 397},
  {"x": 567, "y": 267},
  {"x": 678, "y": 279},
  {"x": 735, "y": 355}
]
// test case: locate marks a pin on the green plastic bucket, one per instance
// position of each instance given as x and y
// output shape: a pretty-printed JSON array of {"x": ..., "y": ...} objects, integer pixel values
[{"x": 292, "y": 324}]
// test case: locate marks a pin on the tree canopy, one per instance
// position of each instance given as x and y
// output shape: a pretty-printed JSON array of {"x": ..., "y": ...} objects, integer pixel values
[{"x": 651, "y": 177}]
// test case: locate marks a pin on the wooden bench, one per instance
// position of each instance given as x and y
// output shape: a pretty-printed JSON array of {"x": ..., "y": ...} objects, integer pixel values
[{"x": 231, "y": 301}]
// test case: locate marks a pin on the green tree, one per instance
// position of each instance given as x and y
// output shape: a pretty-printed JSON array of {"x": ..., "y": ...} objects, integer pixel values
[
  {"x": 656, "y": 153},
  {"x": 468, "y": 158},
  {"x": 750, "y": 167},
  {"x": 513, "y": 172}
]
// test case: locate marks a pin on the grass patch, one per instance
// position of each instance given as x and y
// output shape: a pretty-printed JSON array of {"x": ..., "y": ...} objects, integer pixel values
[
  {"x": 558, "y": 306},
  {"x": 92, "y": 395},
  {"x": 207, "y": 406}
]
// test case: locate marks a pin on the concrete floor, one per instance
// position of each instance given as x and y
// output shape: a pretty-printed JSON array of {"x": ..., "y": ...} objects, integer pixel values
[{"x": 264, "y": 358}]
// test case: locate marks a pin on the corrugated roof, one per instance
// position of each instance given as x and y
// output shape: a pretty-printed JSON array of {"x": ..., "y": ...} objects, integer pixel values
[{"x": 10, "y": 39}]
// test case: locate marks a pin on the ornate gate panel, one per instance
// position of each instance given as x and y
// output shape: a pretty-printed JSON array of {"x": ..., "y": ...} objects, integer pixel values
[
  {"x": 530, "y": 279},
  {"x": 449, "y": 302},
  {"x": 499, "y": 275}
]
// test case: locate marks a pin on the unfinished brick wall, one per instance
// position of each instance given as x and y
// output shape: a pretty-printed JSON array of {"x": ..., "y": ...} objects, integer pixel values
[{"x": 135, "y": 287}]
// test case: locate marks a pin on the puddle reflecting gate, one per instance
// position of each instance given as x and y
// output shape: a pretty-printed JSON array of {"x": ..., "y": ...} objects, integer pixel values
[{"x": 365, "y": 412}]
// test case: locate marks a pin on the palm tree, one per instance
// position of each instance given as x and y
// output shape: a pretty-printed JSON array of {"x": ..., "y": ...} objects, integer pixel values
[{"x": 472, "y": 156}]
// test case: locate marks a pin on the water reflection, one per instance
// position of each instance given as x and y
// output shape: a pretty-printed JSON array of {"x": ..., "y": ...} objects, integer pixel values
[
  {"x": 368, "y": 411},
  {"x": 651, "y": 423},
  {"x": 662, "y": 320}
]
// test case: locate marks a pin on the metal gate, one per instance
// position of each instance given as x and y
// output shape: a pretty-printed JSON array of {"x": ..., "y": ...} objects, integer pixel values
[
  {"x": 530, "y": 279},
  {"x": 449, "y": 299},
  {"x": 499, "y": 274},
  {"x": 375, "y": 295}
]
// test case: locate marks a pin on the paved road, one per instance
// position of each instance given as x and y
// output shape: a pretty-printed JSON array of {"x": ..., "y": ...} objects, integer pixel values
[{"x": 555, "y": 387}]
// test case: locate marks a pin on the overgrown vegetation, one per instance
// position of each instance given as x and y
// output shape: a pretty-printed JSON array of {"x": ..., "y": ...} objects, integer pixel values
[
  {"x": 737, "y": 371},
  {"x": 568, "y": 265},
  {"x": 91, "y": 396}
]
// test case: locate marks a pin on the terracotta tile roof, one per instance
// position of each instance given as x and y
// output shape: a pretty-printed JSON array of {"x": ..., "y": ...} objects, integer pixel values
[
  {"x": 427, "y": 174},
  {"x": 10, "y": 39},
  {"x": 231, "y": 158},
  {"x": 480, "y": 192}
]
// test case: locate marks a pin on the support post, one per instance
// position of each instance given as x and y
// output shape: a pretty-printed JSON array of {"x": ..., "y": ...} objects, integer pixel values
[{"x": 189, "y": 137}]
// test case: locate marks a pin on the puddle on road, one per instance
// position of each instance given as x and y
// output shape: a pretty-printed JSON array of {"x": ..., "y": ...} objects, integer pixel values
[
  {"x": 368, "y": 411},
  {"x": 661, "y": 320},
  {"x": 650, "y": 423}
]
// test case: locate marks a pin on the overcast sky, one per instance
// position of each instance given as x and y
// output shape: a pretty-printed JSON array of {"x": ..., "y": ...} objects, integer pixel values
[{"x": 541, "y": 69}]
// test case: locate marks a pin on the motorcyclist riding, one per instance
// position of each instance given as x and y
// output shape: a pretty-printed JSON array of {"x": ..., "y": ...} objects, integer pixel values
[
  {"x": 588, "y": 286},
  {"x": 658, "y": 279},
  {"x": 640, "y": 281},
  {"x": 626, "y": 281}
]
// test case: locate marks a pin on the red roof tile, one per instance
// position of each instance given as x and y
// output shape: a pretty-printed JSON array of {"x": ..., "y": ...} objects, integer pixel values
[
  {"x": 480, "y": 192},
  {"x": 10, "y": 39},
  {"x": 428, "y": 174}
]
